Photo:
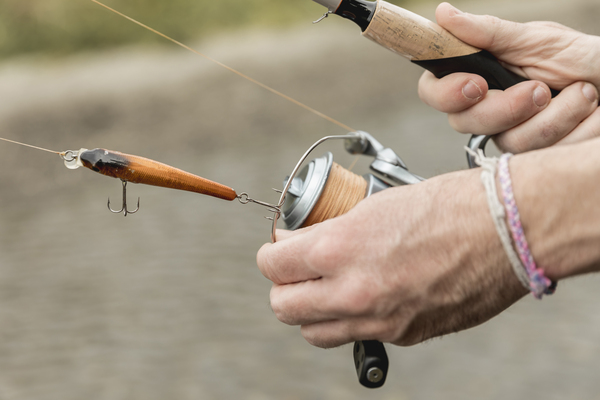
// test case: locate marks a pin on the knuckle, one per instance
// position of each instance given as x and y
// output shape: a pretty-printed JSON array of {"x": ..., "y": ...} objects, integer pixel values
[
  {"x": 266, "y": 265},
  {"x": 494, "y": 25},
  {"x": 512, "y": 143},
  {"x": 327, "y": 251},
  {"x": 550, "y": 132},
  {"x": 360, "y": 302},
  {"x": 549, "y": 24},
  {"x": 513, "y": 111},
  {"x": 575, "y": 111},
  {"x": 359, "y": 298},
  {"x": 520, "y": 103},
  {"x": 457, "y": 123},
  {"x": 277, "y": 306},
  {"x": 315, "y": 337}
]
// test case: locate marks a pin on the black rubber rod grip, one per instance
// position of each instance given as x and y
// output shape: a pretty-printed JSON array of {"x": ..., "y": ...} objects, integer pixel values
[{"x": 482, "y": 63}]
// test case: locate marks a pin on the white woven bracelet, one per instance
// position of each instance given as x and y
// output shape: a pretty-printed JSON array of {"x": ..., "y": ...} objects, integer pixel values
[{"x": 488, "y": 178}]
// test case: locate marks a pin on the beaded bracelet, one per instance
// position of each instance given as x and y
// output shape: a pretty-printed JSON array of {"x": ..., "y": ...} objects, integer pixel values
[{"x": 539, "y": 284}]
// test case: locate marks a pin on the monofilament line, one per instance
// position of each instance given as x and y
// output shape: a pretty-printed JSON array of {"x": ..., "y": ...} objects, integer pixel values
[
  {"x": 264, "y": 86},
  {"x": 33, "y": 147}
]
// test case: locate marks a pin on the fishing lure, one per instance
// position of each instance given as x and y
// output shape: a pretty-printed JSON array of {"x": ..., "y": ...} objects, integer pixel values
[{"x": 136, "y": 169}]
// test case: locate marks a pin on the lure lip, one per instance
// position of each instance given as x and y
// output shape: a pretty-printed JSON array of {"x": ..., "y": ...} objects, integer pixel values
[{"x": 72, "y": 158}]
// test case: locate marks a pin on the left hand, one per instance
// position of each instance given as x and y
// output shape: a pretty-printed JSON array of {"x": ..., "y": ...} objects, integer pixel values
[
  {"x": 407, "y": 264},
  {"x": 549, "y": 54}
]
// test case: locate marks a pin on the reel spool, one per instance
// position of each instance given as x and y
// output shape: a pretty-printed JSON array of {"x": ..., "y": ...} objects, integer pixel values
[{"x": 324, "y": 190}]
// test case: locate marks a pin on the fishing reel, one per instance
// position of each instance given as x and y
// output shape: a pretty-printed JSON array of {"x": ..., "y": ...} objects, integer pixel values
[
  {"x": 305, "y": 189},
  {"x": 308, "y": 196}
]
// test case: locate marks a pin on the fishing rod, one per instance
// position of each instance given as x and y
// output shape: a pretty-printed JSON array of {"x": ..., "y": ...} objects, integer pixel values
[{"x": 424, "y": 43}]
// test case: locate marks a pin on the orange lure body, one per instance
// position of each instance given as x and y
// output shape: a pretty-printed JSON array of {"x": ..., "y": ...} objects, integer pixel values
[{"x": 136, "y": 169}]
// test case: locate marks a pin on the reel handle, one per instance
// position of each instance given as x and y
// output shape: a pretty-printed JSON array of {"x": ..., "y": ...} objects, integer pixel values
[{"x": 371, "y": 362}]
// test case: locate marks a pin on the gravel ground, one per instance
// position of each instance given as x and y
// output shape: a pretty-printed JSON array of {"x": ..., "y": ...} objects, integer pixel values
[{"x": 168, "y": 303}]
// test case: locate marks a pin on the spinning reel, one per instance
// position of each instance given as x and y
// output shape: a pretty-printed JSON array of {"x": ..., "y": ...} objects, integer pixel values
[{"x": 307, "y": 197}]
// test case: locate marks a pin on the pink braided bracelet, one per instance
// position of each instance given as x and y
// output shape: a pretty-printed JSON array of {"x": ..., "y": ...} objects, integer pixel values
[{"x": 539, "y": 284}]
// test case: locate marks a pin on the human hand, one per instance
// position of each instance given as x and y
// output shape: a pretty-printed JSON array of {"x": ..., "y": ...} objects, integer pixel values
[
  {"x": 547, "y": 53},
  {"x": 407, "y": 264}
]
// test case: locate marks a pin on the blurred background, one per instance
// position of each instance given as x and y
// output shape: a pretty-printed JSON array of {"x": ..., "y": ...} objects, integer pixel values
[{"x": 168, "y": 303}]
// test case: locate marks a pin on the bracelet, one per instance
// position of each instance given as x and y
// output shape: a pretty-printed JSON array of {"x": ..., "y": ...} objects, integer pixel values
[
  {"x": 488, "y": 178},
  {"x": 539, "y": 284}
]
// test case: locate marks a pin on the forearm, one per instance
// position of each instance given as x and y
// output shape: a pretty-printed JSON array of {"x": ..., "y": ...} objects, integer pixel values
[{"x": 557, "y": 191}]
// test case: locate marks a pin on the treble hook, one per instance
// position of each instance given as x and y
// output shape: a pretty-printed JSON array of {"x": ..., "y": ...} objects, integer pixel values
[{"x": 124, "y": 209}]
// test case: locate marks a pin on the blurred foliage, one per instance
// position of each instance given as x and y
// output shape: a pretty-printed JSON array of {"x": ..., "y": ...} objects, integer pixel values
[{"x": 64, "y": 26}]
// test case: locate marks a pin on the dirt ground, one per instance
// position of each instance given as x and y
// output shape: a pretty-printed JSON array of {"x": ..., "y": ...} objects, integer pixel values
[{"x": 168, "y": 303}]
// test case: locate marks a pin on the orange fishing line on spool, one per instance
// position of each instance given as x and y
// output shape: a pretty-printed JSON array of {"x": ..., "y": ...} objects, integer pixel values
[{"x": 343, "y": 191}]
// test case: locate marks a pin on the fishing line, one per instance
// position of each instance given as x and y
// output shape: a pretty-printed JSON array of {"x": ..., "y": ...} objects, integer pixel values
[
  {"x": 343, "y": 191},
  {"x": 33, "y": 147},
  {"x": 264, "y": 86}
]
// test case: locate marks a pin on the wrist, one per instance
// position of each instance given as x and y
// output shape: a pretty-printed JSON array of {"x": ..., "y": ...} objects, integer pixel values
[
  {"x": 465, "y": 276},
  {"x": 557, "y": 197}
]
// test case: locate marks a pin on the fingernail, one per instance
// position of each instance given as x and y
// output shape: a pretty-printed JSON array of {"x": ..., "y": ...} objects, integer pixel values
[
  {"x": 472, "y": 91},
  {"x": 454, "y": 11},
  {"x": 540, "y": 96},
  {"x": 590, "y": 92}
]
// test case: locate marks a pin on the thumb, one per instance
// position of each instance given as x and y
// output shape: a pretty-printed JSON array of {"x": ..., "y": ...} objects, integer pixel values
[{"x": 483, "y": 31}]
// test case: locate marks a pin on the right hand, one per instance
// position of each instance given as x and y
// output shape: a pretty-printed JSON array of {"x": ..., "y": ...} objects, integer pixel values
[{"x": 549, "y": 54}]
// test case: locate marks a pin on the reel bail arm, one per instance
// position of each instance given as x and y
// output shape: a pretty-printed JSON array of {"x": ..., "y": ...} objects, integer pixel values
[{"x": 387, "y": 163}]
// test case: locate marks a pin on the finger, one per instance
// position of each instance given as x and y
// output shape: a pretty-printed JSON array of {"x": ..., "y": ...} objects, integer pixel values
[
  {"x": 588, "y": 129},
  {"x": 283, "y": 262},
  {"x": 335, "y": 333},
  {"x": 283, "y": 234},
  {"x": 311, "y": 301},
  {"x": 563, "y": 115},
  {"x": 453, "y": 93},
  {"x": 502, "y": 110},
  {"x": 304, "y": 302}
]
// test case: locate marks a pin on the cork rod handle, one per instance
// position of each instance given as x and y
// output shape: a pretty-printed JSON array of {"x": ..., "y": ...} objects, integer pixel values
[{"x": 432, "y": 47}]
